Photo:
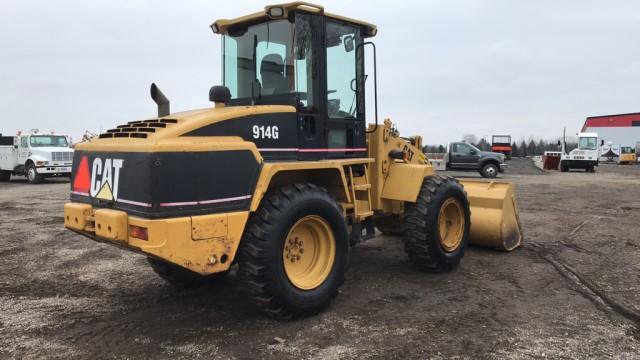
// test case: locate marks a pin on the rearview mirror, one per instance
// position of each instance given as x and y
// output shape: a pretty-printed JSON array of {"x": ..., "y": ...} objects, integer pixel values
[
  {"x": 472, "y": 152},
  {"x": 396, "y": 154},
  {"x": 602, "y": 142},
  {"x": 559, "y": 143},
  {"x": 348, "y": 43}
]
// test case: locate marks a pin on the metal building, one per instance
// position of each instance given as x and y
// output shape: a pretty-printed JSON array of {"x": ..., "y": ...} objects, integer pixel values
[{"x": 620, "y": 129}]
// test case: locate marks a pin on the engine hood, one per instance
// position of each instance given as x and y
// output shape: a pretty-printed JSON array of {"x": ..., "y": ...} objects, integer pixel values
[
  {"x": 486, "y": 154},
  {"x": 162, "y": 133},
  {"x": 49, "y": 149}
]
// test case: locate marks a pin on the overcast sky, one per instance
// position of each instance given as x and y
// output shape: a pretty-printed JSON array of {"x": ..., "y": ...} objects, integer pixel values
[{"x": 445, "y": 68}]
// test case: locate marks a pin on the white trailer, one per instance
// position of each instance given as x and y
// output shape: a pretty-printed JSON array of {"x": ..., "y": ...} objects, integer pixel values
[
  {"x": 35, "y": 156},
  {"x": 609, "y": 152}
]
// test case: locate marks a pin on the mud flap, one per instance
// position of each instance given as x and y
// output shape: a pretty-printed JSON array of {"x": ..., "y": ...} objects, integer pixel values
[{"x": 494, "y": 215}]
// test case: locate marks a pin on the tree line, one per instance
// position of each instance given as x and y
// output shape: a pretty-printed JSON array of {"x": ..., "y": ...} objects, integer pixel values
[{"x": 521, "y": 148}]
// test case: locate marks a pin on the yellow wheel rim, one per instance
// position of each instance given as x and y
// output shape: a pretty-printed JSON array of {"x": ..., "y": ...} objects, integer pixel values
[
  {"x": 309, "y": 252},
  {"x": 451, "y": 222}
]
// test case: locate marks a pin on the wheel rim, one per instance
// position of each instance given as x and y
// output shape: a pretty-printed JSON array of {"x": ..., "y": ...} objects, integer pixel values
[
  {"x": 451, "y": 223},
  {"x": 31, "y": 174},
  {"x": 309, "y": 252},
  {"x": 490, "y": 171}
]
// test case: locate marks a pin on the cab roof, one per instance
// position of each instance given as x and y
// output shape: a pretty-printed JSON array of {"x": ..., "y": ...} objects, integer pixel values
[{"x": 281, "y": 11}]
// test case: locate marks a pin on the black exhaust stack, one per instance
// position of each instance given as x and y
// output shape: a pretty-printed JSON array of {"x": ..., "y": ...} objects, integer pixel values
[{"x": 161, "y": 100}]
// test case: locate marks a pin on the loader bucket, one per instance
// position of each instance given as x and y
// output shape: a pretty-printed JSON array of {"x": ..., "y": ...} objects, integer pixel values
[{"x": 494, "y": 214}]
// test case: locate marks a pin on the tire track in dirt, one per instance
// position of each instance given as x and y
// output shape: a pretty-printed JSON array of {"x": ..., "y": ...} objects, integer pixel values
[{"x": 588, "y": 289}]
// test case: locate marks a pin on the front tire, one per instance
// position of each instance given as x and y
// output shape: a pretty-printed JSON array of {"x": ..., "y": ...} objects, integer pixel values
[
  {"x": 489, "y": 171},
  {"x": 5, "y": 175},
  {"x": 436, "y": 227},
  {"x": 32, "y": 174},
  {"x": 294, "y": 252}
]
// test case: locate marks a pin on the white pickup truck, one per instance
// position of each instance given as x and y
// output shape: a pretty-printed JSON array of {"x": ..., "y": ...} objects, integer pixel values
[{"x": 35, "y": 156}]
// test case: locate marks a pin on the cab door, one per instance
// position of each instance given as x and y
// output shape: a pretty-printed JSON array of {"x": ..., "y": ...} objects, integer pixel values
[
  {"x": 308, "y": 52},
  {"x": 23, "y": 150},
  {"x": 463, "y": 156},
  {"x": 331, "y": 117},
  {"x": 346, "y": 133}
]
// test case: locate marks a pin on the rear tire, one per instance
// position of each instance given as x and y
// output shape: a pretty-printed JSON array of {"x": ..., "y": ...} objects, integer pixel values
[
  {"x": 177, "y": 276},
  {"x": 282, "y": 280},
  {"x": 427, "y": 246},
  {"x": 489, "y": 171},
  {"x": 563, "y": 168},
  {"x": 32, "y": 174},
  {"x": 5, "y": 175}
]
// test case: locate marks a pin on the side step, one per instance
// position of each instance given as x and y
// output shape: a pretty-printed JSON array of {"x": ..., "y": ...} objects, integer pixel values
[
  {"x": 361, "y": 207},
  {"x": 357, "y": 234}
]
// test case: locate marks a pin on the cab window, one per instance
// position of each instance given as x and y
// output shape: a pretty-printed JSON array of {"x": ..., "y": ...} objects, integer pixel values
[
  {"x": 48, "y": 140},
  {"x": 588, "y": 143},
  {"x": 306, "y": 62},
  {"x": 462, "y": 148},
  {"x": 24, "y": 142},
  {"x": 257, "y": 60},
  {"x": 342, "y": 99}
]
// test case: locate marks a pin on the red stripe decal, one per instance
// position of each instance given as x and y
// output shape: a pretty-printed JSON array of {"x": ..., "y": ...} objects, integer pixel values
[
  {"x": 134, "y": 203},
  {"x": 278, "y": 149},
  {"x": 204, "y": 202},
  {"x": 334, "y": 150},
  {"x": 224, "y": 200},
  {"x": 179, "y": 203},
  {"x": 313, "y": 150}
]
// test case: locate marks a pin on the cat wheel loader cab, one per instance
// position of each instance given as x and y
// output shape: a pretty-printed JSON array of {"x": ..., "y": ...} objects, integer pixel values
[{"x": 282, "y": 176}]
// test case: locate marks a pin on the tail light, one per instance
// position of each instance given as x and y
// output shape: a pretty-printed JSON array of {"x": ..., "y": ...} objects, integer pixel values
[{"x": 138, "y": 232}]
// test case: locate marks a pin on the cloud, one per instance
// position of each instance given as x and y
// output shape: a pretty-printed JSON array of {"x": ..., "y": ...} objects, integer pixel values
[{"x": 445, "y": 68}]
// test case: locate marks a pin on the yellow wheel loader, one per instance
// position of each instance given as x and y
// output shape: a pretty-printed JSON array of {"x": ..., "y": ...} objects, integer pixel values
[
  {"x": 627, "y": 155},
  {"x": 281, "y": 176}
]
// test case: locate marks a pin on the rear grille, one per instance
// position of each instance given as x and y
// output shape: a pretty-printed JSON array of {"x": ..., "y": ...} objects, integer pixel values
[
  {"x": 138, "y": 129},
  {"x": 62, "y": 156}
]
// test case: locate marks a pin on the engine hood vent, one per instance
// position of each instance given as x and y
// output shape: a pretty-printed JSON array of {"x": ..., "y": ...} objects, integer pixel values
[{"x": 138, "y": 129}]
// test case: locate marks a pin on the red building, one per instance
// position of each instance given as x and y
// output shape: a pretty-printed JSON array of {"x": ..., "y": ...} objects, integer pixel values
[{"x": 620, "y": 129}]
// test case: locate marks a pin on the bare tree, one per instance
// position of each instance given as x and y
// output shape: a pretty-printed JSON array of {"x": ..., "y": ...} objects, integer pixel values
[{"x": 470, "y": 138}]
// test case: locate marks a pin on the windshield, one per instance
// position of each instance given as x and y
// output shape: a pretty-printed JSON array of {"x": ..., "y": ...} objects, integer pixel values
[
  {"x": 49, "y": 140},
  {"x": 281, "y": 62},
  {"x": 474, "y": 148},
  {"x": 588, "y": 143},
  {"x": 258, "y": 60}
]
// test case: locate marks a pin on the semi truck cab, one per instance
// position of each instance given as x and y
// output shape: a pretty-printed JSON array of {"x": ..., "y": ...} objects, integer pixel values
[{"x": 584, "y": 157}]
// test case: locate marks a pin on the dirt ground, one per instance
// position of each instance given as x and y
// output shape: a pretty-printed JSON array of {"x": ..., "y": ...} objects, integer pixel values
[{"x": 571, "y": 291}]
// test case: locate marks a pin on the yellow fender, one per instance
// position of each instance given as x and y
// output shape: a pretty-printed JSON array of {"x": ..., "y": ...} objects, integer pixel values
[{"x": 494, "y": 215}]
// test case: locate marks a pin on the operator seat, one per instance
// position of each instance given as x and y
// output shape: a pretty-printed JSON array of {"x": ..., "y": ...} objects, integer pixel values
[{"x": 272, "y": 73}]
